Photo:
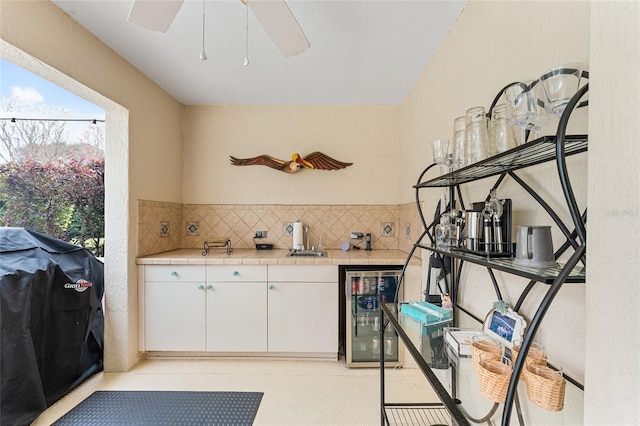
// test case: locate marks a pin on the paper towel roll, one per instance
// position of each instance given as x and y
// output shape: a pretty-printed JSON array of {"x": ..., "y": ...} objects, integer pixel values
[{"x": 298, "y": 236}]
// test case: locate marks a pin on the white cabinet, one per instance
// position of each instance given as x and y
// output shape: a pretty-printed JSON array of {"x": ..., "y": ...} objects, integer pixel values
[
  {"x": 174, "y": 308},
  {"x": 236, "y": 308},
  {"x": 236, "y": 273},
  {"x": 303, "y": 309},
  {"x": 278, "y": 309}
]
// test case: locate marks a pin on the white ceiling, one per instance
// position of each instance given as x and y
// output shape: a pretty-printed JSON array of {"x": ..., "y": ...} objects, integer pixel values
[{"x": 362, "y": 52}]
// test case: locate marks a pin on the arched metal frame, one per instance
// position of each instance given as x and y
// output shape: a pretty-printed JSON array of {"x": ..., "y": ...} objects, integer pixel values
[
  {"x": 578, "y": 255},
  {"x": 575, "y": 239}
]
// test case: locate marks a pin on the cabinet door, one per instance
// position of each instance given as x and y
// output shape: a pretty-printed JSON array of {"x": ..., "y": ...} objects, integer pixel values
[
  {"x": 174, "y": 316},
  {"x": 303, "y": 317},
  {"x": 237, "y": 317}
]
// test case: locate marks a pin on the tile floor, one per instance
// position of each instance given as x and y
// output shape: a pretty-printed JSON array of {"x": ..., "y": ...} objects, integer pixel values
[{"x": 296, "y": 392}]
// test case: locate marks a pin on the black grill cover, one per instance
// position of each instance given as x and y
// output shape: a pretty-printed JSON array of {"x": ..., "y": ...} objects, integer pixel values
[{"x": 51, "y": 321}]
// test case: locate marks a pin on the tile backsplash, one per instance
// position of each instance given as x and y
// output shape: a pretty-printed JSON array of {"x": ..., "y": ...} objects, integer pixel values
[
  {"x": 168, "y": 226},
  {"x": 159, "y": 226}
]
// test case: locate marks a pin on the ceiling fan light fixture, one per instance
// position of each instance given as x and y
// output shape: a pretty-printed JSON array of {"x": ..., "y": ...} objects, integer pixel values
[
  {"x": 203, "y": 54},
  {"x": 281, "y": 25},
  {"x": 154, "y": 15},
  {"x": 246, "y": 34},
  {"x": 274, "y": 15}
]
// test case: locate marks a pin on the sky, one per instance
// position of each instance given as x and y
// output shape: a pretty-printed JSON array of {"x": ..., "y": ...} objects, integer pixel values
[
  {"x": 18, "y": 85},
  {"x": 23, "y": 88}
]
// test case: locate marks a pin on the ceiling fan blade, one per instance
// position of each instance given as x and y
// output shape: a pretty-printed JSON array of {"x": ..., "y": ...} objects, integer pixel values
[
  {"x": 278, "y": 21},
  {"x": 154, "y": 15}
]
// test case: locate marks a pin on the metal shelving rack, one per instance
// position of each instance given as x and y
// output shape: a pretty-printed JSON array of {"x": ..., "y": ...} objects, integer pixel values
[
  {"x": 545, "y": 276},
  {"x": 446, "y": 412},
  {"x": 548, "y": 148},
  {"x": 535, "y": 152}
]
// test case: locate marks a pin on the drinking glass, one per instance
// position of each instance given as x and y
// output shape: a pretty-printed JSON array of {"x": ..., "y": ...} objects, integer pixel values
[
  {"x": 520, "y": 109},
  {"x": 560, "y": 84},
  {"x": 548, "y": 370},
  {"x": 540, "y": 118},
  {"x": 525, "y": 107},
  {"x": 459, "y": 149},
  {"x": 459, "y": 124},
  {"x": 501, "y": 133},
  {"x": 481, "y": 344},
  {"x": 535, "y": 355},
  {"x": 476, "y": 135},
  {"x": 440, "y": 151},
  {"x": 490, "y": 358}
]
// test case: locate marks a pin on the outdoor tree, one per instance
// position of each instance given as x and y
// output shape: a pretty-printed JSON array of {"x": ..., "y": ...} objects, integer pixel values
[
  {"x": 64, "y": 199},
  {"x": 86, "y": 192},
  {"x": 38, "y": 140},
  {"x": 51, "y": 185},
  {"x": 33, "y": 196},
  {"x": 92, "y": 140}
]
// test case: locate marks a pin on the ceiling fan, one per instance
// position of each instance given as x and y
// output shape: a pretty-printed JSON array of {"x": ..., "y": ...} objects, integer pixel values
[{"x": 274, "y": 15}]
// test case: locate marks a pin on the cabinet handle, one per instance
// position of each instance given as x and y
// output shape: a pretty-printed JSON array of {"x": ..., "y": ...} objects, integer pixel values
[
  {"x": 209, "y": 287},
  {"x": 174, "y": 274},
  {"x": 271, "y": 286},
  {"x": 200, "y": 287},
  {"x": 235, "y": 273}
]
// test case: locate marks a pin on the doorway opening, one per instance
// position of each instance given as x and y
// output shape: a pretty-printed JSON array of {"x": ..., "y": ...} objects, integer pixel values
[
  {"x": 51, "y": 160},
  {"x": 120, "y": 351}
]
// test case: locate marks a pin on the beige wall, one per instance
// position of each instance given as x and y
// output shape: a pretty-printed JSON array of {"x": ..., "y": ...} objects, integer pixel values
[
  {"x": 613, "y": 291},
  {"x": 366, "y": 136},
  {"x": 520, "y": 40},
  {"x": 143, "y": 152},
  {"x": 491, "y": 45}
]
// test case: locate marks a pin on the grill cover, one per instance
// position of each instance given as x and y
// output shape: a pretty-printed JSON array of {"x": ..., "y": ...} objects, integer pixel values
[{"x": 51, "y": 321}]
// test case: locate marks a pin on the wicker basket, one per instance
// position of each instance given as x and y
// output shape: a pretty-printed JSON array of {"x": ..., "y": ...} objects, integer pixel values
[
  {"x": 545, "y": 387},
  {"x": 483, "y": 346},
  {"x": 534, "y": 356},
  {"x": 494, "y": 378}
]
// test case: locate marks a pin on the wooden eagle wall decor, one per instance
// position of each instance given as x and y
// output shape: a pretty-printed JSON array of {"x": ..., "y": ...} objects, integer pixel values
[{"x": 315, "y": 160}]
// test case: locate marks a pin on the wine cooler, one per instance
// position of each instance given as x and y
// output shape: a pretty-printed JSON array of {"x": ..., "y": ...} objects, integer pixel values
[{"x": 365, "y": 291}]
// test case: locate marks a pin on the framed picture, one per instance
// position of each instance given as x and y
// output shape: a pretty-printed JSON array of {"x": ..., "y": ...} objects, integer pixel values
[{"x": 506, "y": 327}]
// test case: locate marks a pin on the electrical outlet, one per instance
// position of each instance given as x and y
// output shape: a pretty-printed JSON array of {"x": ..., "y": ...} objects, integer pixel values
[
  {"x": 356, "y": 235},
  {"x": 261, "y": 234}
]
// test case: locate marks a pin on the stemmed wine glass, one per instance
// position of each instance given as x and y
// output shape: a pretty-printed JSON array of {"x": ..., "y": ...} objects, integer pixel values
[
  {"x": 518, "y": 107},
  {"x": 443, "y": 157},
  {"x": 525, "y": 107},
  {"x": 560, "y": 84},
  {"x": 540, "y": 118}
]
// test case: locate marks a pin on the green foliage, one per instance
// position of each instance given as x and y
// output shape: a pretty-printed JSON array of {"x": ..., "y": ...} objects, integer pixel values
[
  {"x": 63, "y": 199},
  {"x": 50, "y": 181}
]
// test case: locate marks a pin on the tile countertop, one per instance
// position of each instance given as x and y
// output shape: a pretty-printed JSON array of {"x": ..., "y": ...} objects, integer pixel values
[{"x": 275, "y": 257}]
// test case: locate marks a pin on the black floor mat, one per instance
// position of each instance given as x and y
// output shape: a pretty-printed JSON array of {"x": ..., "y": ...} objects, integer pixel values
[{"x": 159, "y": 408}]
